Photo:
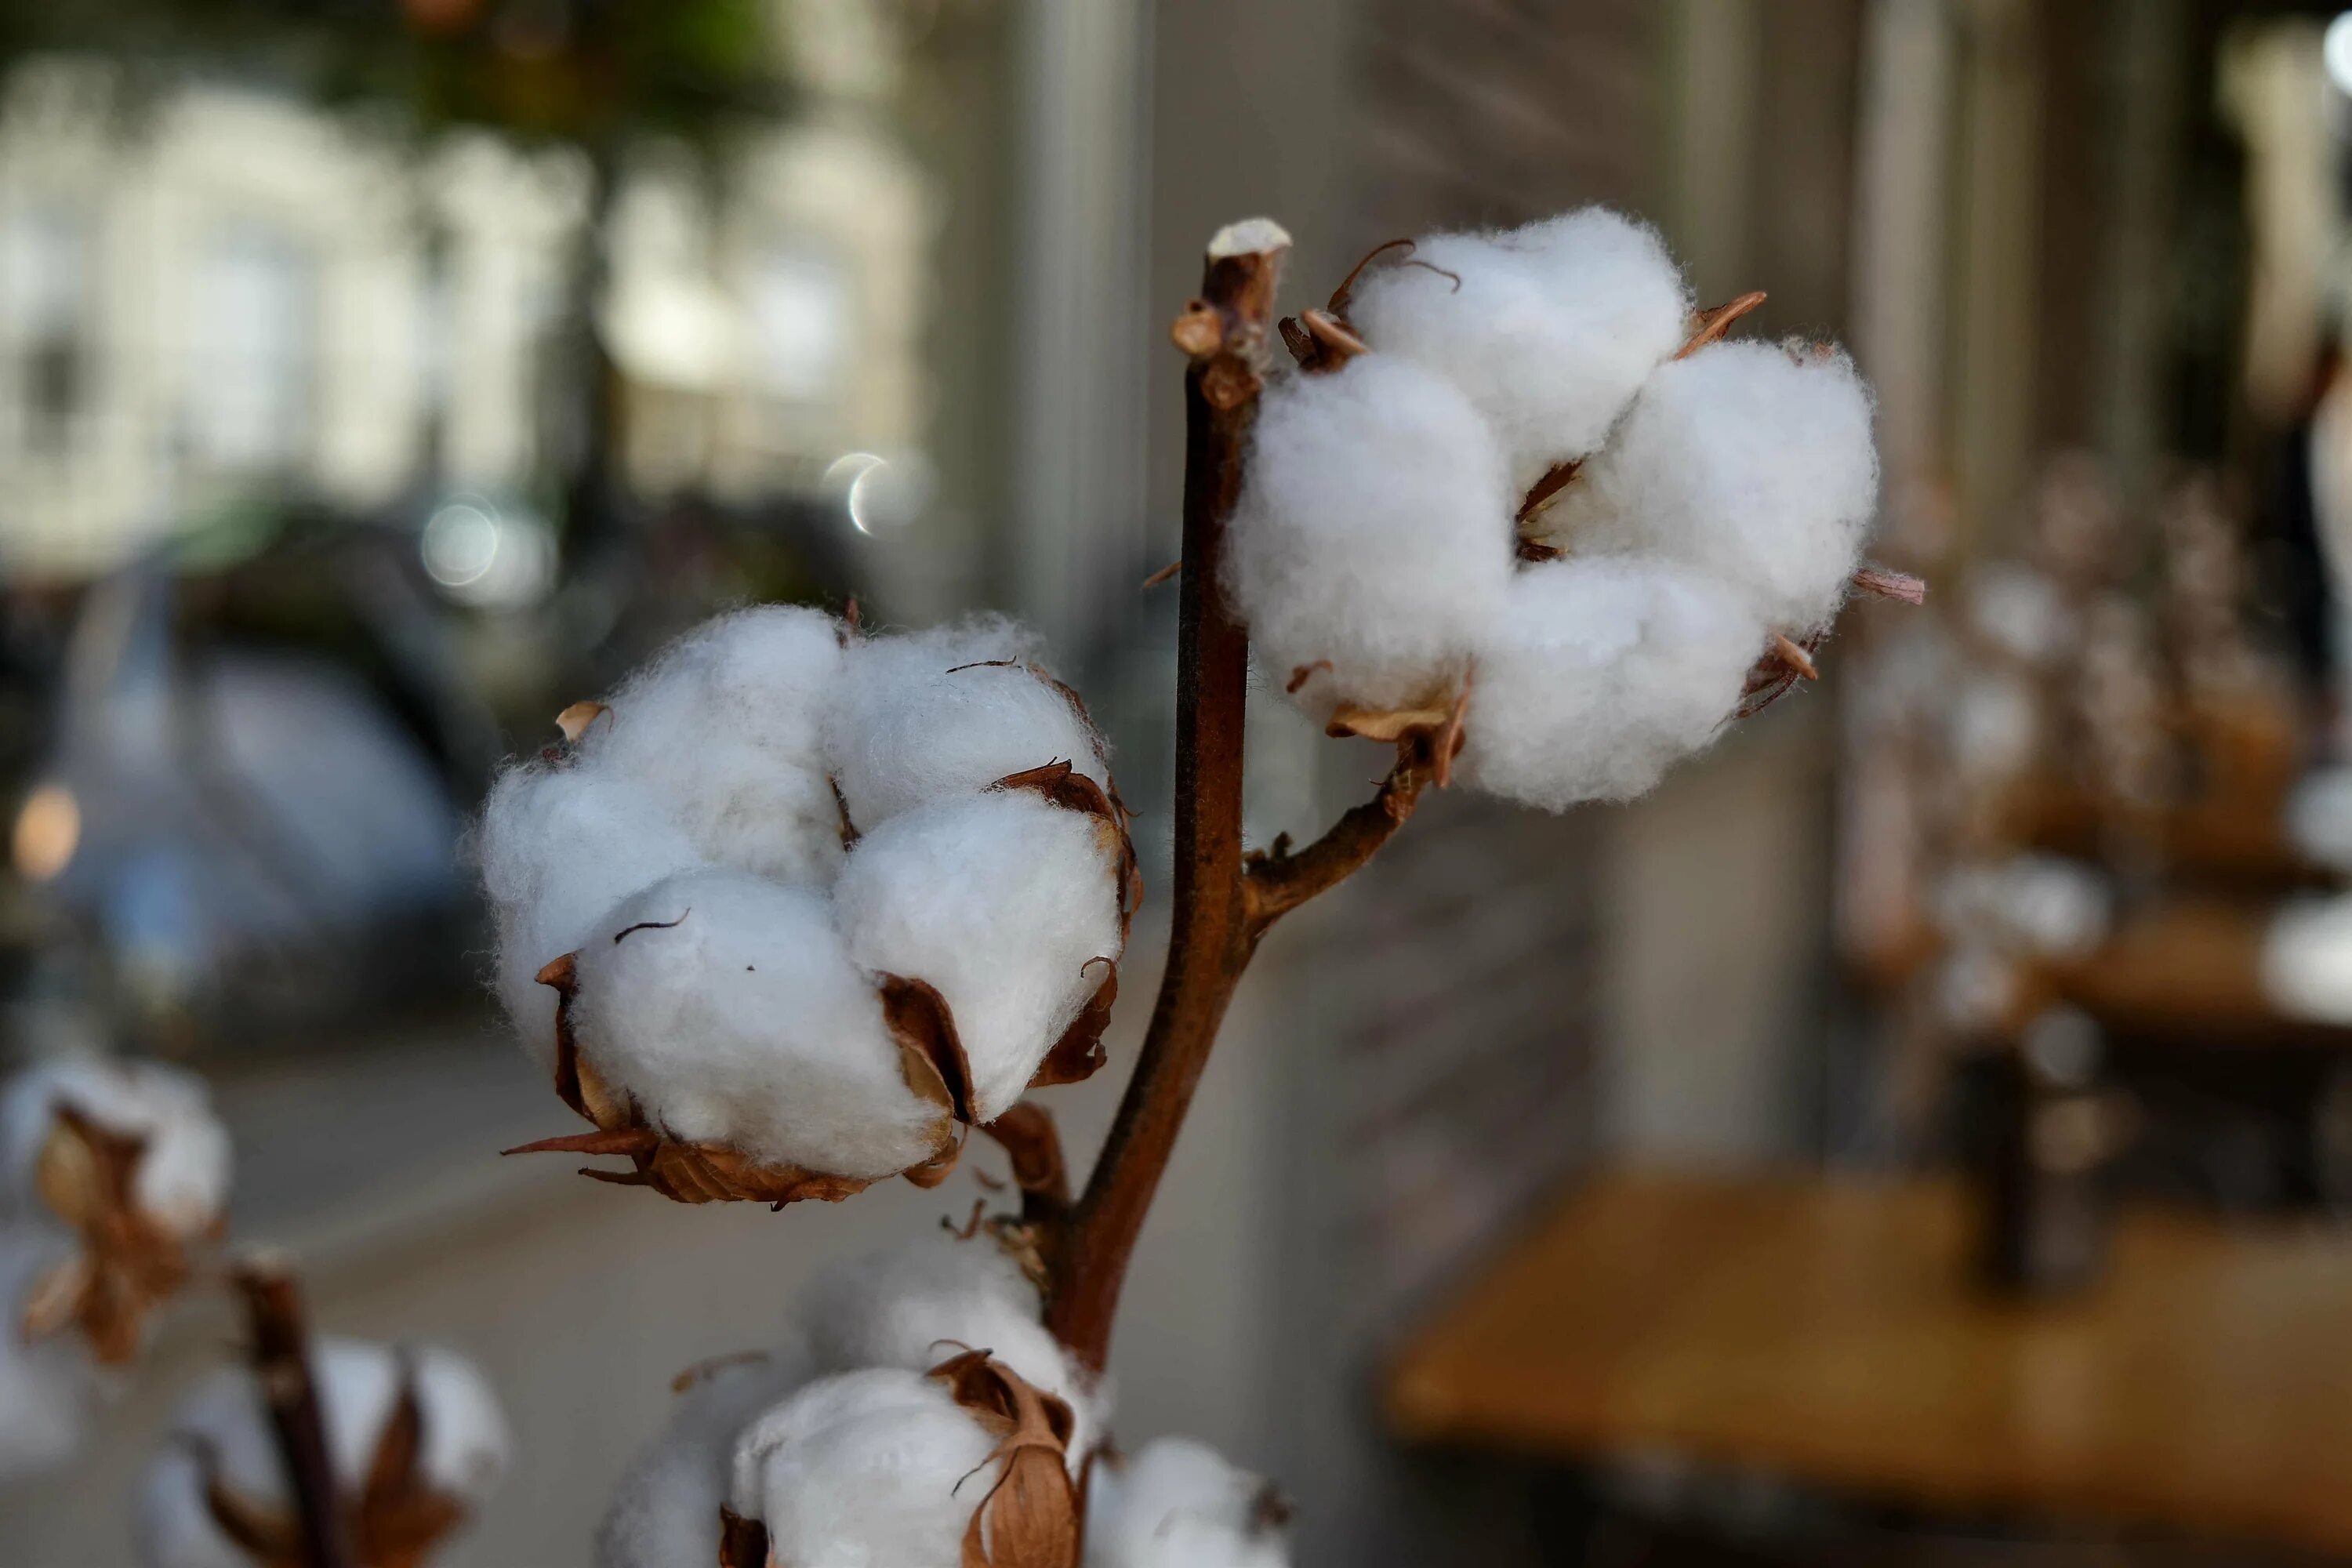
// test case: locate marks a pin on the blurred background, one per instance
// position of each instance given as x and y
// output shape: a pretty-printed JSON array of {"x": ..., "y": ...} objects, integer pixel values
[{"x": 1918, "y": 1133}]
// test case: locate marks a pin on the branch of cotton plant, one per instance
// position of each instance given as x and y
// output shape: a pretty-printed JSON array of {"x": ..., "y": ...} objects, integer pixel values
[
  {"x": 1226, "y": 334},
  {"x": 1280, "y": 880},
  {"x": 281, "y": 1366}
]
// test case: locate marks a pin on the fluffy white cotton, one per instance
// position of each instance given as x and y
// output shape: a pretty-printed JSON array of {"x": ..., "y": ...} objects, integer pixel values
[
  {"x": 726, "y": 728},
  {"x": 735, "y": 1015},
  {"x": 1373, "y": 531},
  {"x": 1177, "y": 1504},
  {"x": 937, "y": 714},
  {"x": 559, "y": 848},
  {"x": 1550, "y": 332},
  {"x": 465, "y": 1448},
  {"x": 1602, "y": 674},
  {"x": 183, "y": 1176},
  {"x": 999, "y": 900},
  {"x": 45, "y": 1387},
  {"x": 1751, "y": 461},
  {"x": 665, "y": 1510},
  {"x": 877, "y": 1468},
  {"x": 916, "y": 1305}
]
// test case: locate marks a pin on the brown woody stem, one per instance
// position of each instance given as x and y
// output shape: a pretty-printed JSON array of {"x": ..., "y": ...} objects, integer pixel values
[
  {"x": 1278, "y": 883},
  {"x": 281, "y": 1366},
  {"x": 1210, "y": 937}
]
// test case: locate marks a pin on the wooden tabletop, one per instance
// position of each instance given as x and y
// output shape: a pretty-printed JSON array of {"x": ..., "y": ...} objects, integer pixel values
[{"x": 1829, "y": 1331}]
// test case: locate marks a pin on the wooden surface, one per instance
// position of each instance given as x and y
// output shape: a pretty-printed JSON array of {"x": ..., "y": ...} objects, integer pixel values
[{"x": 1830, "y": 1332}]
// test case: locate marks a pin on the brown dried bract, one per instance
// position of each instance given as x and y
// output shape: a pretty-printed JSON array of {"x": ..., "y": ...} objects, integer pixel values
[
  {"x": 1884, "y": 583},
  {"x": 1029, "y": 1519},
  {"x": 1078, "y": 1055},
  {"x": 128, "y": 1264},
  {"x": 396, "y": 1521},
  {"x": 1777, "y": 671},
  {"x": 742, "y": 1542},
  {"x": 575, "y": 720},
  {"x": 1709, "y": 326}
]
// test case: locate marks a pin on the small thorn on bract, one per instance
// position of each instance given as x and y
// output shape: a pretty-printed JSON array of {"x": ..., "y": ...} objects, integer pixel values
[
  {"x": 575, "y": 720},
  {"x": 1883, "y": 583},
  {"x": 1795, "y": 657},
  {"x": 1165, "y": 574}
]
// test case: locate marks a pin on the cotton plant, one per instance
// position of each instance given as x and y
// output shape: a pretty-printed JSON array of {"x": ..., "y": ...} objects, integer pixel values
[
  {"x": 325, "y": 1452},
  {"x": 799, "y": 907},
  {"x": 113, "y": 1175}
]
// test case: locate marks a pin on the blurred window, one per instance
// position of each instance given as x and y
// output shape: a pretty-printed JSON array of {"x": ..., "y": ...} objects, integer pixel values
[
  {"x": 46, "y": 256},
  {"x": 255, "y": 339},
  {"x": 800, "y": 310}
]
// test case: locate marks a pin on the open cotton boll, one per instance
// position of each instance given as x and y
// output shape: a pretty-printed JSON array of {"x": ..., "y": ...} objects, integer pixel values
[
  {"x": 1550, "y": 332},
  {"x": 865, "y": 1469},
  {"x": 44, "y": 1386},
  {"x": 665, "y": 1510},
  {"x": 949, "y": 712},
  {"x": 1603, "y": 672},
  {"x": 733, "y": 1015},
  {"x": 559, "y": 848},
  {"x": 1373, "y": 531},
  {"x": 1179, "y": 1504},
  {"x": 915, "y": 1305},
  {"x": 1753, "y": 461},
  {"x": 726, "y": 729},
  {"x": 1001, "y": 901},
  {"x": 463, "y": 1452},
  {"x": 181, "y": 1182}
]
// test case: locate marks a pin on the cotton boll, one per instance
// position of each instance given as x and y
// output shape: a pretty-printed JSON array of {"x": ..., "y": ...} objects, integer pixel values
[
  {"x": 1601, "y": 673},
  {"x": 559, "y": 848},
  {"x": 916, "y": 1305},
  {"x": 464, "y": 1452},
  {"x": 866, "y": 1468},
  {"x": 999, "y": 900},
  {"x": 733, "y": 1015},
  {"x": 948, "y": 712},
  {"x": 1550, "y": 332},
  {"x": 665, "y": 1510},
  {"x": 1373, "y": 531},
  {"x": 1752, "y": 461},
  {"x": 726, "y": 729},
  {"x": 44, "y": 1386},
  {"x": 1177, "y": 1504},
  {"x": 180, "y": 1183}
]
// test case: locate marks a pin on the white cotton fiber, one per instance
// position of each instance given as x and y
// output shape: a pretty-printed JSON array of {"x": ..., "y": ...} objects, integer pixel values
[
  {"x": 1751, "y": 461},
  {"x": 45, "y": 1387},
  {"x": 999, "y": 900},
  {"x": 464, "y": 1453},
  {"x": 665, "y": 1510},
  {"x": 183, "y": 1176},
  {"x": 559, "y": 848},
  {"x": 916, "y": 1305},
  {"x": 935, "y": 714},
  {"x": 726, "y": 729},
  {"x": 1373, "y": 531},
  {"x": 1602, "y": 674},
  {"x": 734, "y": 1016},
  {"x": 877, "y": 1468},
  {"x": 1177, "y": 1504},
  {"x": 1550, "y": 332}
]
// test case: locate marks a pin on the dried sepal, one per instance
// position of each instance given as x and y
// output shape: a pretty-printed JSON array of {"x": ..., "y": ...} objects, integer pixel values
[
  {"x": 1709, "y": 326},
  {"x": 1029, "y": 1519},
  {"x": 742, "y": 1542},
  {"x": 576, "y": 721},
  {"x": 1777, "y": 671},
  {"x": 1884, "y": 583},
  {"x": 931, "y": 1051},
  {"x": 1078, "y": 1055},
  {"x": 128, "y": 1263}
]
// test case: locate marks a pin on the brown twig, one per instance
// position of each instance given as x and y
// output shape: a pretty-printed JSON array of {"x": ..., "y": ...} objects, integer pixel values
[
  {"x": 1165, "y": 574},
  {"x": 1711, "y": 325},
  {"x": 281, "y": 1366},
  {"x": 1209, "y": 938},
  {"x": 1279, "y": 881}
]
